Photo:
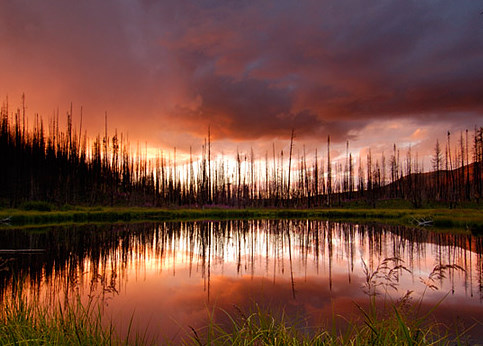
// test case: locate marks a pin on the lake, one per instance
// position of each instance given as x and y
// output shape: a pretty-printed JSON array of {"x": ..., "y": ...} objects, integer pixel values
[{"x": 168, "y": 277}]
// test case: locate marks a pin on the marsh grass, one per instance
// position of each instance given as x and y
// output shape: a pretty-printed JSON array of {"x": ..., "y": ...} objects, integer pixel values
[
  {"x": 402, "y": 321},
  {"x": 462, "y": 220},
  {"x": 264, "y": 328},
  {"x": 257, "y": 327},
  {"x": 36, "y": 205},
  {"x": 25, "y": 321},
  {"x": 384, "y": 322}
]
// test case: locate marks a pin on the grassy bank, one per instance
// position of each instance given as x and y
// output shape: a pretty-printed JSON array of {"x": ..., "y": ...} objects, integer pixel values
[{"x": 462, "y": 219}]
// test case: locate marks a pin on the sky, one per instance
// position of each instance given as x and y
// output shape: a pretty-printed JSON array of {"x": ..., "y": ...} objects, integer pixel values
[{"x": 371, "y": 72}]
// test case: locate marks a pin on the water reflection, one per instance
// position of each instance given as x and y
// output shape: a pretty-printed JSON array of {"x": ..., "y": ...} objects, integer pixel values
[{"x": 170, "y": 273}]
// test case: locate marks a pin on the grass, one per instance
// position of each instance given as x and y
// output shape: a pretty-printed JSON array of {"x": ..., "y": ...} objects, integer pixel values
[
  {"x": 30, "y": 322},
  {"x": 400, "y": 322},
  {"x": 385, "y": 322},
  {"x": 264, "y": 328},
  {"x": 23, "y": 322},
  {"x": 464, "y": 219}
]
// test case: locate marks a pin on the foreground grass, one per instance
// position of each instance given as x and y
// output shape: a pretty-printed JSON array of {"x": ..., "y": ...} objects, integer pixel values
[
  {"x": 464, "y": 219},
  {"x": 263, "y": 328},
  {"x": 383, "y": 322},
  {"x": 22, "y": 322},
  {"x": 27, "y": 323}
]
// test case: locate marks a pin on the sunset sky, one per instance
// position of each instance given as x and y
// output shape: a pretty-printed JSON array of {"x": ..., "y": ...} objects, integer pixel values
[{"x": 375, "y": 73}]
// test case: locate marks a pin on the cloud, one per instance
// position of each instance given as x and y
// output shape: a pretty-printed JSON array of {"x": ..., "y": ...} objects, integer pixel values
[
  {"x": 335, "y": 64},
  {"x": 250, "y": 70}
]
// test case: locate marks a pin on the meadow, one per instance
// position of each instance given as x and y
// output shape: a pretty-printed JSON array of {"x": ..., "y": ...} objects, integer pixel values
[{"x": 456, "y": 220}]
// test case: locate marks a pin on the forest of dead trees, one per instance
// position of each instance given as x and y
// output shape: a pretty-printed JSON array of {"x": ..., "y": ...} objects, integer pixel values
[{"x": 40, "y": 162}]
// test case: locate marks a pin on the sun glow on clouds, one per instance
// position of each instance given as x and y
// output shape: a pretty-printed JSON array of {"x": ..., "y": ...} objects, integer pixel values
[{"x": 373, "y": 74}]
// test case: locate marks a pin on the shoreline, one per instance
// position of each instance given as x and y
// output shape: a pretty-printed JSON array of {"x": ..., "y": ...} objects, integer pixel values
[{"x": 461, "y": 220}]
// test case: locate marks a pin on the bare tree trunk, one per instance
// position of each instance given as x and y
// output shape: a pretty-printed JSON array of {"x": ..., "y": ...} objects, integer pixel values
[
  {"x": 329, "y": 174},
  {"x": 290, "y": 166}
]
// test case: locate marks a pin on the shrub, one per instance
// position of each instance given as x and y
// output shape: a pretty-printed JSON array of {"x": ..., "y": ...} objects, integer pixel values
[{"x": 36, "y": 205}]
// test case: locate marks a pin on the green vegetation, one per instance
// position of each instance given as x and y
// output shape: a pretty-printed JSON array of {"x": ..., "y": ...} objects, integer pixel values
[
  {"x": 24, "y": 322},
  {"x": 36, "y": 205},
  {"x": 385, "y": 322},
  {"x": 462, "y": 219},
  {"x": 263, "y": 328}
]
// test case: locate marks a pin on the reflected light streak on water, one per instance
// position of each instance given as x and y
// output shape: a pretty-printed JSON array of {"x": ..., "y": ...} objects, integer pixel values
[{"x": 170, "y": 274}]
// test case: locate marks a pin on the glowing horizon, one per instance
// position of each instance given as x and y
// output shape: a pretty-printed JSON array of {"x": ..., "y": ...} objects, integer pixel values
[{"x": 376, "y": 75}]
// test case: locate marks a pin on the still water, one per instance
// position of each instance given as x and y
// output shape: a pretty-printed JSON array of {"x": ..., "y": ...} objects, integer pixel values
[{"x": 167, "y": 277}]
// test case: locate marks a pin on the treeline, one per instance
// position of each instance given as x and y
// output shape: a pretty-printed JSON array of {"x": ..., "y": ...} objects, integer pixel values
[{"x": 40, "y": 162}]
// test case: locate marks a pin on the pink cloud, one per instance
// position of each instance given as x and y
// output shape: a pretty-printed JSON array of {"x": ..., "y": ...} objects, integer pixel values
[{"x": 251, "y": 70}]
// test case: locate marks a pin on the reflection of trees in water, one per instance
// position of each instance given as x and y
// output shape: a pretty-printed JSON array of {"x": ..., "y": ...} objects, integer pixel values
[{"x": 99, "y": 258}]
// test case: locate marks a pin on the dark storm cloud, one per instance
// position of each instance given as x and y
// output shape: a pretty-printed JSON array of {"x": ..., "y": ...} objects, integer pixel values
[
  {"x": 307, "y": 65},
  {"x": 250, "y": 69},
  {"x": 247, "y": 109}
]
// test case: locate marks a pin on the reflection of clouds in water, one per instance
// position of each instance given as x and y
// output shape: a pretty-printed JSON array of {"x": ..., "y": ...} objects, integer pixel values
[
  {"x": 188, "y": 304},
  {"x": 172, "y": 274},
  {"x": 315, "y": 305}
]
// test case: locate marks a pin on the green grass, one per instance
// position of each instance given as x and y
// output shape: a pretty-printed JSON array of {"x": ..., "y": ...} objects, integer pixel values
[
  {"x": 261, "y": 327},
  {"x": 26, "y": 321},
  {"x": 383, "y": 322},
  {"x": 23, "y": 322},
  {"x": 462, "y": 220}
]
